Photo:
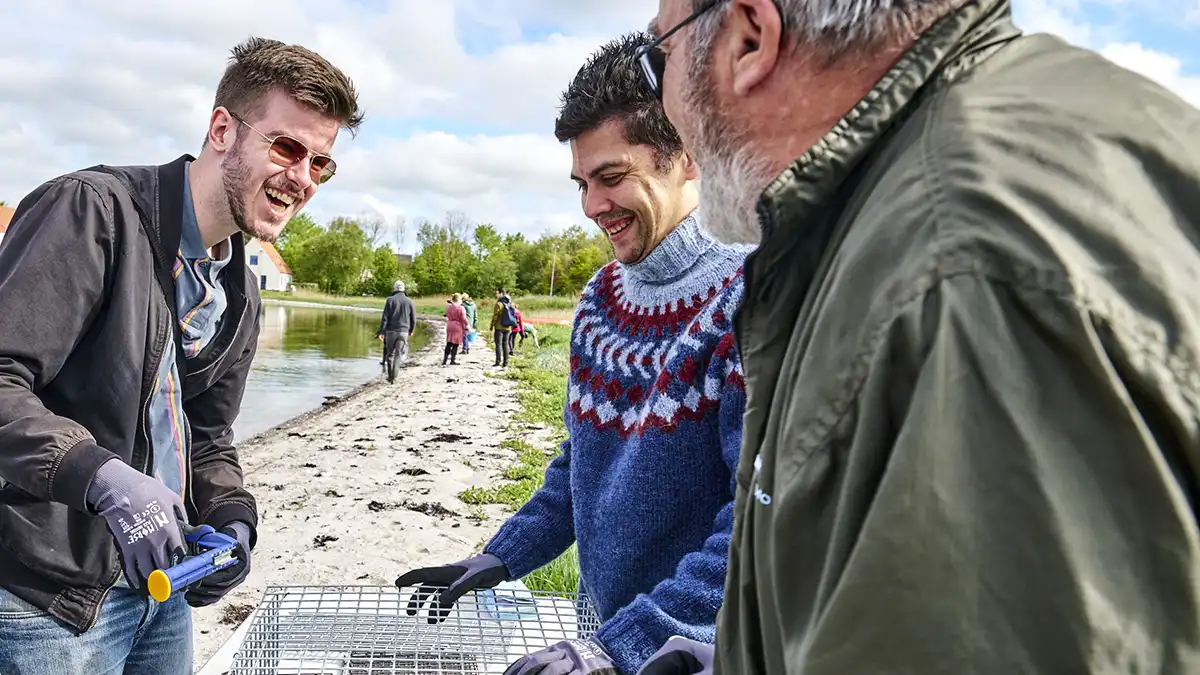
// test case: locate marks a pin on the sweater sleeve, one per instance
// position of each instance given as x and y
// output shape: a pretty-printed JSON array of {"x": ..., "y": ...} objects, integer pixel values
[
  {"x": 543, "y": 528},
  {"x": 686, "y": 604}
]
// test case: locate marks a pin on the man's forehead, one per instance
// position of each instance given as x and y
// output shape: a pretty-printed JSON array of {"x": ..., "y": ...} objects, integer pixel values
[
  {"x": 589, "y": 165},
  {"x": 283, "y": 115}
]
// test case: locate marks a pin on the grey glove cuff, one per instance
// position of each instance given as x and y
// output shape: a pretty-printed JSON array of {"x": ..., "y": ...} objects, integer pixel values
[
  {"x": 113, "y": 479},
  {"x": 241, "y": 531}
]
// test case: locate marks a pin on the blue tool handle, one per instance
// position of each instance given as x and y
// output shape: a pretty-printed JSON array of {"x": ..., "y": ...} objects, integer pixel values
[{"x": 210, "y": 546}]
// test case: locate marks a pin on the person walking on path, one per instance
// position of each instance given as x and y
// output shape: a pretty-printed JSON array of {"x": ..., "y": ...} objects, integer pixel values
[
  {"x": 456, "y": 329},
  {"x": 468, "y": 306},
  {"x": 121, "y": 380},
  {"x": 503, "y": 320},
  {"x": 645, "y": 481},
  {"x": 396, "y": 325},
  {"x": 971, "y": 337}
]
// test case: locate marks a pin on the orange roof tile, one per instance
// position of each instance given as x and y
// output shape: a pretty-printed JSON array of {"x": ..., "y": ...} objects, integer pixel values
[
  {"x": 6, "y": 215},
  {"x": 273, "y": 254}
]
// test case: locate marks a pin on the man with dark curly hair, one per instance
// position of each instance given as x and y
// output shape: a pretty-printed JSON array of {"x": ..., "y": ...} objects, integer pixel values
[
  {"x": 645, "y": 481},
  {"x": 120, "y": 380}
]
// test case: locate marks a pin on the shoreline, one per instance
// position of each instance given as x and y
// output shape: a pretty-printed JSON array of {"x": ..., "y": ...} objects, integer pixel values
[
  {"x": 361, "y": 490},
  {"x": 434, "y": 328}
]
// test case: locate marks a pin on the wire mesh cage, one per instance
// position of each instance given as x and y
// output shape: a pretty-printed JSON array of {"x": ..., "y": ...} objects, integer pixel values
[{"x": 366, "y": 630}]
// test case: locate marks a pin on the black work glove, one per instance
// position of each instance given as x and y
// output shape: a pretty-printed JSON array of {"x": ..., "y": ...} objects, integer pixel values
[
  {"x": 144, "y": 516},
  {"x": 569, "y": 657},
  {"x": 680, "y": 656},
  {"x": 482, "y": 571},
  {"x": 213, "y": 587}
]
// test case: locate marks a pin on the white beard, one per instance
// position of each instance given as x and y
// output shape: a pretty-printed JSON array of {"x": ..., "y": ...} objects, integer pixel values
[
  {"x": 729, "y": 191},
  {"x": 732, "y": 177}
]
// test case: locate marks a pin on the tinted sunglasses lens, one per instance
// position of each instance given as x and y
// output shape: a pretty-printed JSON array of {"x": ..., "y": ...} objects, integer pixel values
[
  {"x": 323, "y": 168},
  {"x": 652, "y": 61},
  {"x": 287, "y": 151}
]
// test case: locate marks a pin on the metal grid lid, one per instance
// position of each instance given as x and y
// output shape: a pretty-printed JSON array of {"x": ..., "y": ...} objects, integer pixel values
[{"x": 367, "y": 630}]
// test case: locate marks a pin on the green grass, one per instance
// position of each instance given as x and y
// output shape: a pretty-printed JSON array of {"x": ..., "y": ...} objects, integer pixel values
[
  {"x": 541, "y": 375},
  {"x": 324, "y": 299},
  {"x": 435, "y": 305}
]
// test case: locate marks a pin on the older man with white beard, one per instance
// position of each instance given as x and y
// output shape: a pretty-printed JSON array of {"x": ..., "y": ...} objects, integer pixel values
[{"x": 970, "y": 334}]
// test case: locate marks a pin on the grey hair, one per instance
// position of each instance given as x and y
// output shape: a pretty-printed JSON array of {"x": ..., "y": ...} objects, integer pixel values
[
  {"x": 836, "y": 27},
  {"x": 398, "y": 286}
]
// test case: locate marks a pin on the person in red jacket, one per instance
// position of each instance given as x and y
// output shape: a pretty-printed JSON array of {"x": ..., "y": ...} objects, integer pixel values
[{"x": 456, "y": 329}]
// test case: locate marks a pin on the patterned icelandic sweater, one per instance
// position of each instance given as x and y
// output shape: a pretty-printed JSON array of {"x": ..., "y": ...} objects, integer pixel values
[{"x": 645, "y": 481}]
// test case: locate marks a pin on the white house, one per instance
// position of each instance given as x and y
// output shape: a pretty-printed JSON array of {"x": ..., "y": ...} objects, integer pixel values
[
  {"x": 272, "y": 272},
  {"x": 6, "y": 215}
]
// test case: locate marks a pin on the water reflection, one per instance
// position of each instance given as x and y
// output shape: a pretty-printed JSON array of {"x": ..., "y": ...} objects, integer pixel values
[{"x": 304, "y": 355}]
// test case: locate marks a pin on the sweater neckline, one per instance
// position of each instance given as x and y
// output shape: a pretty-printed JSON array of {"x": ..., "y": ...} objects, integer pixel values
[{"x": 675, "y": 255}]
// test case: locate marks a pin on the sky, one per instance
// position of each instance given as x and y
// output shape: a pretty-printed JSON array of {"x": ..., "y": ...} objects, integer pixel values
[{"x": 460, "y": 95}]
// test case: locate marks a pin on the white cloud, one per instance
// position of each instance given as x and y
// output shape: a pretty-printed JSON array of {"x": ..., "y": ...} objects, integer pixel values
[
  {"x": 1163, "y": 68},
  {"x": 1070, "y": 20},
  {"x": 90, "y": 81},
  {"x": 449, "y": 126}
]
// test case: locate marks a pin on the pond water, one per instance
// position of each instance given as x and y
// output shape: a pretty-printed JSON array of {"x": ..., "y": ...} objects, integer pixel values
[{"x": 304, "y": 355}]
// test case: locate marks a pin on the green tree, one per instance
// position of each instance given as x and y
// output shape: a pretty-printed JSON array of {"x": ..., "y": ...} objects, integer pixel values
[
  {"x": 584, "y": 263},
  {"x": 335, "y": 258},
  {"x": 385, "y": 270},
  {"x": 299, "y": 230}
]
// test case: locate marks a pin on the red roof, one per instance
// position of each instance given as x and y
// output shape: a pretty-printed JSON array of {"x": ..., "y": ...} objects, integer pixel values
[
  {"x": 273, "y": 254},
  {"x": 6, "y": 215}
]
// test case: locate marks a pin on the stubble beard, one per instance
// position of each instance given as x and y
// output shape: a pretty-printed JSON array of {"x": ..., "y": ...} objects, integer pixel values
[
  {"x": 732, "y": 177},
  {"x": 235, "y": 179}
]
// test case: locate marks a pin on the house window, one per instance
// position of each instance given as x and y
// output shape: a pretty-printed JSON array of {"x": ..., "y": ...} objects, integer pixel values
[{"x": 253, "y": 260}]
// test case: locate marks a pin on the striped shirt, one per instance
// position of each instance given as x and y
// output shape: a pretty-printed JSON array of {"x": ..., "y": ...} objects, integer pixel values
[{"x": 200, "y": 301}]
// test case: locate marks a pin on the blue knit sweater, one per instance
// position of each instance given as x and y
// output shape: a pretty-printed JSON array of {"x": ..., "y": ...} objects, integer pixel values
[{"x": 645, "y": 481}]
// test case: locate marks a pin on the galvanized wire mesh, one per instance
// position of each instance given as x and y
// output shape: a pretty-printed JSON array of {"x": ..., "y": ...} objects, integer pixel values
[{"x": 366, "y": 630}]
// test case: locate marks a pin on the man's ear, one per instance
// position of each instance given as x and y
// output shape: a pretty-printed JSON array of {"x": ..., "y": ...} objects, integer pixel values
[
  {"x": 754, "y": 36},
  {"x": 690, "y": 172},
  {"x": 222, "y": 131}
]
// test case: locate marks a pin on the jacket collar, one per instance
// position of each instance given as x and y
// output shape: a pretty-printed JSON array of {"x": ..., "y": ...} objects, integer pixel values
[
  {"x": 945, "y": 51},
  {"x": 169, "y": 213}
]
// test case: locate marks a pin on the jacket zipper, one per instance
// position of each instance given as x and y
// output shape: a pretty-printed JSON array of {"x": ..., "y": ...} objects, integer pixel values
[
  {"x": 145, "y": 463},
  {"x": 187, "y": 427}
]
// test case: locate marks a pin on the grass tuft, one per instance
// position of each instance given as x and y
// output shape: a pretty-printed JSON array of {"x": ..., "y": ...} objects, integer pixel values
[{"x": 541, "y": 375}]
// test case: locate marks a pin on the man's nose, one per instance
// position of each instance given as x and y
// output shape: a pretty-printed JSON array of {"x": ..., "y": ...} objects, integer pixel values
[
  {"x": 596, "y": 203},
  {"x": 300, "y": 174}
]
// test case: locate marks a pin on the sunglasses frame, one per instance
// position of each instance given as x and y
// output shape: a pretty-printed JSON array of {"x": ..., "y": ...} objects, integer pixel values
[
  {"x": 652, "y": 58},
  {"x": 320, "y": 176}
]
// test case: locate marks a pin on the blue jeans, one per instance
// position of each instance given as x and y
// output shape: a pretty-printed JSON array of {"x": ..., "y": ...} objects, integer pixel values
[{"x": 134, "y": 635}]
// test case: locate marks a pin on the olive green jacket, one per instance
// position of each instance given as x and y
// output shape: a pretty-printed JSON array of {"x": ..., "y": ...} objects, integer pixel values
[{"x": 970, "y": 339}]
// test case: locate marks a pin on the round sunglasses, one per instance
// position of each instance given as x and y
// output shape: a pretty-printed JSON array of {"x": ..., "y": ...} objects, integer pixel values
[{"x": 287, "y": 152}]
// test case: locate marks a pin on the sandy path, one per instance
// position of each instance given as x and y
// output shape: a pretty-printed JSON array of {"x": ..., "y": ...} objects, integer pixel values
[{"x": 355, "y": 471}]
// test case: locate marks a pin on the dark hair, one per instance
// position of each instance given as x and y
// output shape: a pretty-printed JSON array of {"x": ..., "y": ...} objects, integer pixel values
[
  {"x": 500, "y": 290},
  {"x": 259, "y": 65},
  {"x": 610, "y": 86}
]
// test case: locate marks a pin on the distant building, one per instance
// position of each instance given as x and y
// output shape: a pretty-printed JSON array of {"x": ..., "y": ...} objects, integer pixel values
[
  {"x": 273, "y": 273},
  {"x": 405, "y": 259},
  {"x": 6, "y": 216}
]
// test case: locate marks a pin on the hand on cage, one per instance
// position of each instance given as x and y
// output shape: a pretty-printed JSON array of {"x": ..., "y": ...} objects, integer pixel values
[
  {"x": 455, "y": 579},
  {"x": 569, "y": 657},
  {"x": 680, "y": 656}
]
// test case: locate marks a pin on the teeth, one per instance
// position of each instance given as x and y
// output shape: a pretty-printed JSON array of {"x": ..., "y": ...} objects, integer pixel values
[
  {"x": 281, "y": 196},
  {"x": 621, "y": 228}
]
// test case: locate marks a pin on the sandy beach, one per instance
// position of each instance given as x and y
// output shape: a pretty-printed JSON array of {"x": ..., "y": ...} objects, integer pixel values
[{"x": 366, "y": 488}]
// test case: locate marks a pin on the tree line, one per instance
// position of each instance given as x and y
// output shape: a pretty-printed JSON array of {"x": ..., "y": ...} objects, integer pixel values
[{"x": 353, "y": 256}]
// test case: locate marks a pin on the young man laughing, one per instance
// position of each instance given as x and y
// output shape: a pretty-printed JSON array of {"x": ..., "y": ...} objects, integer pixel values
[
  {"x": 644, "y": 483},
  {"x": 120, "y": 380}
]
